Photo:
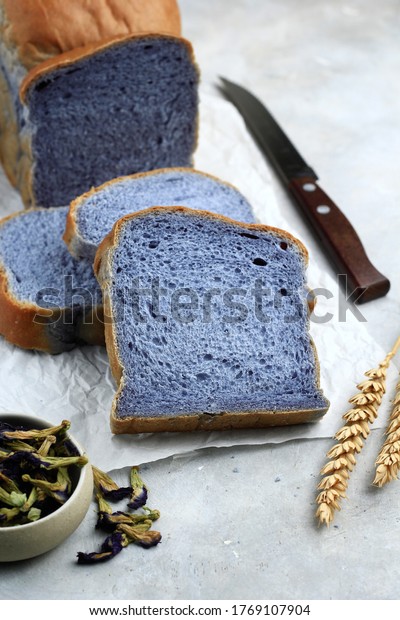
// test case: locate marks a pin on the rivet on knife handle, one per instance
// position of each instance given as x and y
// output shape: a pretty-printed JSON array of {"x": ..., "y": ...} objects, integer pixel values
[
  {"x": 340, "y": 240},
  {"x": 337, "y": 236}
]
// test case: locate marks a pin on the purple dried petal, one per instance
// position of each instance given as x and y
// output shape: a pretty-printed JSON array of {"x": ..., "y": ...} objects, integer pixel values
[
  {"x": 108, "y": 487},
  {"x": 138, "y": 498},
  {"x": 107, "y": 521},
  {"x": 104, "y": 522},
  {"x": 25, "y": 457},
  {"x": 139, "y": 491},
  {"x": 110, "y": 547},
  {"x": 117, "y": 494}
]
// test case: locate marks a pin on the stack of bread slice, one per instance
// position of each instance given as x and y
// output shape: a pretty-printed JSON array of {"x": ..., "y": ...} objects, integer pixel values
[{"x": 205, "y": 313}]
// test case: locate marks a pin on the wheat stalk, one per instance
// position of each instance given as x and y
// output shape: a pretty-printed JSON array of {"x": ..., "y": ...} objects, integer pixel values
[
  {"x": 388, "y": 460},
  {"x": 350, "y": 439}
]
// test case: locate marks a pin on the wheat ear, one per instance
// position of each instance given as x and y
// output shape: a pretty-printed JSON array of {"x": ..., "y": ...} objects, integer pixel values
[
  {"x": 388, "y": 460},
  {"x": 350, "y": 439}
]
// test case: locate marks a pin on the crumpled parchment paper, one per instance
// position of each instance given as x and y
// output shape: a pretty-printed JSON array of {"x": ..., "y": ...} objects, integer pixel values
[{"x": 78, "y": 386}]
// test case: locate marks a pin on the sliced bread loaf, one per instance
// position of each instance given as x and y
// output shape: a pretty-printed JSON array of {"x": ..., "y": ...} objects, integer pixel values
[
  {"x": 48, "y": 300},
  {"x": 98, "y": 112},
  {"x": 36, "y": 31},
  {"x": 206, "y": 324},
  {"x": 92, "y": 216}
]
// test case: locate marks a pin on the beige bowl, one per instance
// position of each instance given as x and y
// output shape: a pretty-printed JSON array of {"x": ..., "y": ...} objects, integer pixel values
[{"x": 21, "y": 542}]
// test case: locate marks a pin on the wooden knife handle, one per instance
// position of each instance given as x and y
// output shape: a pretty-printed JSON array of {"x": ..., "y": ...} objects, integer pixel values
[{"x": 338, "y": 236}]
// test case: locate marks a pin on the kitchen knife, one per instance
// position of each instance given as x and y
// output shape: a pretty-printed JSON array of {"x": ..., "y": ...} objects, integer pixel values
[{"x": 333, "y": 229}]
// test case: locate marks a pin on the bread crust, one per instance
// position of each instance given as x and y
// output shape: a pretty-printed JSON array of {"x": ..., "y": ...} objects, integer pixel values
[
  {"x": 209, "y": 422},
  {"x": 190, "y": 422},
  {"x": 102, "y": 269},
  {"x": 9, "y": 138},
  {"x": 40, "y": 30},
  {"x": 68, "y": 58},
  {"x": 72, "y": 235},
  {"x": 15, "y": 152},
  {"x": 18, "y": 324}
]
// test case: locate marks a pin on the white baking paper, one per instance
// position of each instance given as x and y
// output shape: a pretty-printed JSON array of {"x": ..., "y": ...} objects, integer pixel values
[{"x": 78, "y": 385}]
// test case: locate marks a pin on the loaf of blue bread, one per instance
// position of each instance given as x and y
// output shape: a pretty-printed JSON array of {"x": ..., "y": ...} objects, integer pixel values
[
  {"x": 92, "y": 216},
  {"x": 87, "y": 94},
  {"x": 206, "y": 323},
  {"x": 48, "y": 300}
]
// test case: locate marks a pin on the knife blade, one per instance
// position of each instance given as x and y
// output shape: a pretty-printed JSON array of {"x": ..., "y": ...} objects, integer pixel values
[{"x": 336, "y": 234}]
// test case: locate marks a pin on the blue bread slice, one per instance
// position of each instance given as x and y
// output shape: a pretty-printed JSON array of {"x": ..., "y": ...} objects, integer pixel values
[
  {"x": 206, "y": 324},
  {"x": 110, "y": 108},
  {"x": 48, "y": 300},
  {"x": 92, "y": 216}
]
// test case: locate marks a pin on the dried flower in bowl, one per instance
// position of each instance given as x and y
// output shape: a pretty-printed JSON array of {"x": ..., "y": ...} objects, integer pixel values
[
  {"x": 35, "y": 475},
  {"x": 46, "y": 485}
]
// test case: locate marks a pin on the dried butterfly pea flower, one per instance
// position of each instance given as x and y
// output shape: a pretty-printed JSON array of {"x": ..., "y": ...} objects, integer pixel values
[
  {"x": 56, "y": 490},
  {"x": 139, "y": 490},
  {"x": 134, "y": 528},
  {"x": 141, "y": 534},
  {"x": 16, "y": 445},
  {"x": 109, "y": 522},
  {"x": 112, "y": 545},
  {"x": 37, "y": 433},
  {"x": 8, "y": 514},
  {"x": 8, "y": 484},
  {"x": 54, "y": 462},
  {"x": 108, "y": 487},
  {"x": 21, "y": 458}
]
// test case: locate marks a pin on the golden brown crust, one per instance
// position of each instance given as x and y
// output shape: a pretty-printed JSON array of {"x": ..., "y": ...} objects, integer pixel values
[
  {"x": 102, "y": 269},
  {"x": 71, "y": 228},
  {"x": 17, "y": 323},
  {"x": 222, "y": 421},
  {"x": 80, "y": 53},
  {"x": 218, "y": 422},
  {"x": 15, "y": 152},
  {"x": 110, "y": 340},
  {"x": 28, "y": 326},
  {"x": 40, "y": 30},
  {"x": 71, "y": 231},
  {"x": 9, "y": 137}
]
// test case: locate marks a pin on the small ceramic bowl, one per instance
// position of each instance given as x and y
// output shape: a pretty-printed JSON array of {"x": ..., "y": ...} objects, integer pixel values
[{"x": 20, "y": 542}]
